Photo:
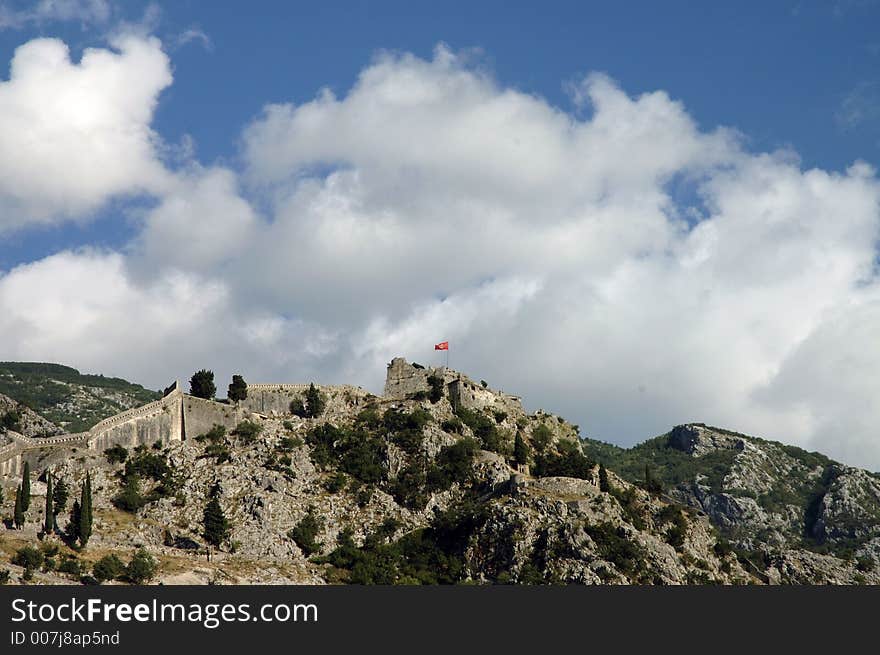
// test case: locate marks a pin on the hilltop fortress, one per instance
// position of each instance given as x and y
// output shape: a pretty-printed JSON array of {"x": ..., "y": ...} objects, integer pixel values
[{"x": 179, "y": 416}]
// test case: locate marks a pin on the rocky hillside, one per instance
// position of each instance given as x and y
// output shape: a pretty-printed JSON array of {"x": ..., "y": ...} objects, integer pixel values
[
  {"x": 375, "y": 491},
  {"x": 22, "y": 419},
  {"x": 806, "y": 515},
  {"x": 68, "y": 399},
  {"x": 354, "y": 488}
]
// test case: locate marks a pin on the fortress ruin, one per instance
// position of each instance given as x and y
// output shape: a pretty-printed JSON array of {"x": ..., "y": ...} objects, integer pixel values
[{"x": 179, "y": 416}]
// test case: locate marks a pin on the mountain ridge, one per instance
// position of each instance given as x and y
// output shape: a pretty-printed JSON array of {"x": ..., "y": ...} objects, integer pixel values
[{"x": 444, "y": 480}]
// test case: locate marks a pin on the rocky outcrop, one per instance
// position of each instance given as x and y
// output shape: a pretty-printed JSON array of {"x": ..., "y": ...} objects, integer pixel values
[{"x": 28, "y": 422}]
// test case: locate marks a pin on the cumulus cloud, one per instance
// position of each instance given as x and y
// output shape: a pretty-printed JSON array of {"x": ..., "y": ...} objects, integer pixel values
[
  {"x": 612, "y": 262},
  {"x": 200, "y": 222},
  {"x": 73, "y": 135},
  {"x": 85, "y": 309}
]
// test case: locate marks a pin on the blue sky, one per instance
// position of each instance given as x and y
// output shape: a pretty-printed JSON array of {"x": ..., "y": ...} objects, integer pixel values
[{"x": 634, "y": 214}]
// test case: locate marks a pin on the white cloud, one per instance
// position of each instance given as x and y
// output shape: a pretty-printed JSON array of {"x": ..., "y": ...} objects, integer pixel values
[
  {"x": 200, "y": 222},
  {"x": 194, "y": 34},
  {"x": 73, "y": 135},
  {"x": 84, "y": 309},
  {"x": 616, "y": 263},
  {"x": 86, "y": 12}
]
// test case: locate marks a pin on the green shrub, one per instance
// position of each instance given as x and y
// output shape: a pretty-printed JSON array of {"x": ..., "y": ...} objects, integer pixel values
[
  {"x": 452, "y": 426},
  {"x": 247, "y": 431},
  {"x": 453, "y": 463},
  {"x": 214, "y": 435},
  {"x": 108, "y": 567},
  {"x": 406, "y": 429},
  {"x": 219, "y": 451},
  {"x": 49, "y": 549},
  {"x": 28, "y": 557},
  {"x": 722, "y": 548},
  {"x": 408, "y": 488},
  {"x": 11, "y": 420},
  {"x": 541, "y": 437},
  {"x": 369, "y": 418},
  {"x": 147, "y": 465},
  {"x": 865, "y": 564},
  {"x": 614, "y": 546},
  {"x": 130, "y": 498},
  {"x": 484, "y": 429},
  {"x": 604, "y": 484},
  {"x": 568, "y": 462},
  {"x": 521, "y": 450},
  {"x": 435, "y": 394},
  {"x": 141, "y": 568},
  {"x": 357, "y": 452},
  {"x": 305, "y": 533},
  {"x": 70, "y": 565},
  {"x": 336, "y": 483},
  {"x": 677, "y": 532},
  {"x": 116, "y": 455},
  {"x": 298, "y": 408}
]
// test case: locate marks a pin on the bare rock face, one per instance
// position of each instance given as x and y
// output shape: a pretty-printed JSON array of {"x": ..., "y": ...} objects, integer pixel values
[
  {"x": 568, "y": 531},
  {"x": 850, "y": 507},
  {"x": 698, "y": 440}
]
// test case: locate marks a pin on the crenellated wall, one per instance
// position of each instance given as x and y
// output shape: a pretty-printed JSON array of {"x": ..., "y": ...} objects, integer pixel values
[
  {"x": 275, "y": 399},
  {"x": 178, "y": 416},
  {"x": 159, "y": 420}
]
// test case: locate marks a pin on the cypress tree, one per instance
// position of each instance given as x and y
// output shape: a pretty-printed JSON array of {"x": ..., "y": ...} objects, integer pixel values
[
  {"x": 520, "y": 450},
  {"x": 73, "y": 526},
  {"x": 59, "y": 496},
  {"x": 315, "y": 402},
  {"x": 49, "y": 524},
  {"x": 216, "y": 525},
  {"x": 604, "y": 485},
  {"x": 26, "y": 487},
  {"x": 18, "y": 512},
  {"x": 85, "y": 515}
]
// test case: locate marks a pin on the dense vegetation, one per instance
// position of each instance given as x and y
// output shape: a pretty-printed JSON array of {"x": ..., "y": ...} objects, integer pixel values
[
  {"x": 668, "y": 465},
  {"x": 432, "y": 555}
]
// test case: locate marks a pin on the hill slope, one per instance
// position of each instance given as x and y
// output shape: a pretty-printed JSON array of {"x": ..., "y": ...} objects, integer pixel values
[
  {"x": 764, "y": 496},
  {"x": 422, "y": 490},
  {"x": 69, "y": 399}
]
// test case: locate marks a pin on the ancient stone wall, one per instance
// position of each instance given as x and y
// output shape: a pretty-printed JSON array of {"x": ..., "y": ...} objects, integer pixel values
[
  {"x": 275, "y": 399},
  {"x": 156, "y": 421},
  {"x": 10, "y": 460},
  {"x": 404, "y": 379},
  {"x": 200, "y": 415}
]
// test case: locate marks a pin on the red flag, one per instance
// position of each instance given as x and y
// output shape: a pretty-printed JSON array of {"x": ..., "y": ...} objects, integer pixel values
[{"x": 443, "y": 345}]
